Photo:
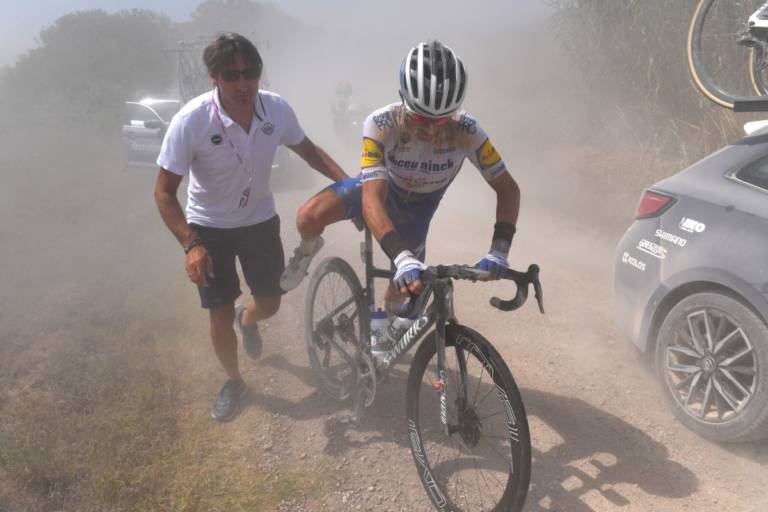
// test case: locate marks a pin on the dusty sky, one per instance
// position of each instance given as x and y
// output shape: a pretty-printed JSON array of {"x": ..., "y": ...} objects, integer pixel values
[{"x": 21, "y": 21}]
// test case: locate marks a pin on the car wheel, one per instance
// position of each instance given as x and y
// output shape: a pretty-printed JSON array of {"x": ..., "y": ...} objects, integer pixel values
[{"x": 712, "y": 362}]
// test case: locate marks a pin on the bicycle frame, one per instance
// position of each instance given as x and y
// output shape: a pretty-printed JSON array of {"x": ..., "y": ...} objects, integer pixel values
[{"x": 438, "y": 313}]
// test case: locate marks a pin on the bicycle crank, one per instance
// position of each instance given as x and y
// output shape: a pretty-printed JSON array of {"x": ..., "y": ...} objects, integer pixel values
[{"x": 365, "y": 383}]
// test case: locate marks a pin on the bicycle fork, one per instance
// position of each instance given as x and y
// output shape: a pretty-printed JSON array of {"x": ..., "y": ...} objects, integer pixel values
[{"x": 444, "y": 306}]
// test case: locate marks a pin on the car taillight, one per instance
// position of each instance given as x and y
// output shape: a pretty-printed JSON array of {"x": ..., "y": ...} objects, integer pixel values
[{"x": 652, "y": 204}]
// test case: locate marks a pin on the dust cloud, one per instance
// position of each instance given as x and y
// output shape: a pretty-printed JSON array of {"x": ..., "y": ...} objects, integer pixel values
[
  {"x": 87, "y": 264},
  {"x": 82, "y": 242},
  {"x": 83, "y": 248}
]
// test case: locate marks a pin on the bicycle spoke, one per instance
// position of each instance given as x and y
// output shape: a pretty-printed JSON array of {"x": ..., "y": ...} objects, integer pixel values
[
  {"x": 473, "y": 464},
  {"x": 478, "y": 385},
  {"x": 482, "y": 418}
]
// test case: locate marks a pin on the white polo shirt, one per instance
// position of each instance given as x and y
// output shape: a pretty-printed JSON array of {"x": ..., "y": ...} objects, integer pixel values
[{"x": 228, "y": 169}]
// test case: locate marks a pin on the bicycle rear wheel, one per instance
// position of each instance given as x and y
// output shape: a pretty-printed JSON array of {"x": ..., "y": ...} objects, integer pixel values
[
  {"x": 334, "y": 320},
  {"x": 716, "y": 60},
  {"x": 484, "y": 464}
]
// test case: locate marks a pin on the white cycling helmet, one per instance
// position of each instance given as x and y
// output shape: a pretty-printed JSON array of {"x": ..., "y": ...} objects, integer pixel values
[{"x": 433, "y": 80}]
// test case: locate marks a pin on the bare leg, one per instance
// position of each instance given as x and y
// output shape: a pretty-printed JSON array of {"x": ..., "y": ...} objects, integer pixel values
[
  {"x": 260, "y": 308},
  {"x": 224, "y": 338},
  {"x": 323, "y": 209}
]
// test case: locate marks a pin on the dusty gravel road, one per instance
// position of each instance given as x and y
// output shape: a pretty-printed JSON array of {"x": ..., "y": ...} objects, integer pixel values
[{"x": 603, "y": 439}]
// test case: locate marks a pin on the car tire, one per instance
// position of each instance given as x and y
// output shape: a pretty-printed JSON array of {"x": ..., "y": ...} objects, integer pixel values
[{"x": 712, "y": 363}]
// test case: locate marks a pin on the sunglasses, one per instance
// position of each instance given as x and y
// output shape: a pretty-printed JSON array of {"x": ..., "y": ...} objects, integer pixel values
[
  {"x": 233, "y": 75},
  {"x": 424, "y": 120}
]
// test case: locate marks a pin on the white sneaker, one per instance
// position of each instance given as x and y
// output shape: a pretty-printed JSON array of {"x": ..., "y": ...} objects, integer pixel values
[{"x": 297, "y": 267}]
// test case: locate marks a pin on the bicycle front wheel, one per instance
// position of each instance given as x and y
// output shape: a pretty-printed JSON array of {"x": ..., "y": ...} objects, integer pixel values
[
  {"x": 335, "y": 319},
  {"x": 483, "y": 463}
]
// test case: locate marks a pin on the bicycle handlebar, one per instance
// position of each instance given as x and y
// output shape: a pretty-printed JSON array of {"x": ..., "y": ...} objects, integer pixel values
[{"x": 466, "y": 272}]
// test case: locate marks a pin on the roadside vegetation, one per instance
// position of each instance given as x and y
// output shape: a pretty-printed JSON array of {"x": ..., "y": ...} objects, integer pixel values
[
  {"x": 631, "y": 55},
  {"x": 95, "y": 398}
]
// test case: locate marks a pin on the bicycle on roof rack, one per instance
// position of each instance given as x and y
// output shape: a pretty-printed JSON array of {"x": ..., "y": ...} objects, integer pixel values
[
  {"x": 467, "y": 425},
  {"x": 716, "y": 25}
]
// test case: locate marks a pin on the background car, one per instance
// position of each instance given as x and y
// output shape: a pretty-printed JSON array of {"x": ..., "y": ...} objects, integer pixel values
[
  {"x": 691, "y": 288},
  {"x": 146, "y": 121},
  {"x": 144, "y": 126}
]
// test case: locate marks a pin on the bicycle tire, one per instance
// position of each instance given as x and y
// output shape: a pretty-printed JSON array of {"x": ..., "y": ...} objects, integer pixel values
[
  {"x": 334, "y": 283},
  {"x": 457, "y": 486},
  {"x": 702, "y": 78},
  {"x": 757, "y": 70}
]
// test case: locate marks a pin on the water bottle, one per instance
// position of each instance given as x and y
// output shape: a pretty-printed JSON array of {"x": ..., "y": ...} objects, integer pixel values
[
  {"x": 379, "y": 323},
  {"x": 397, "y": 328}
]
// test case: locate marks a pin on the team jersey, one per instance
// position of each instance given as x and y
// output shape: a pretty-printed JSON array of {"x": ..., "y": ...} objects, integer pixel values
[
  {"x": 229, "y": 169},
  {"x": 393, "y": 152}
]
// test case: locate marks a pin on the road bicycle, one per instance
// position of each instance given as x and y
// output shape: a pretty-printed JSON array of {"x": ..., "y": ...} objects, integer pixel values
[
  {"x": 717, "y": 29},
  {"x": 467, "y": 425}
]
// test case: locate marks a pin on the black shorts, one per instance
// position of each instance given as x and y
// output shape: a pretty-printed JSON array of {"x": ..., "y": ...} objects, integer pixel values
[{"x": 261, "y": 257}]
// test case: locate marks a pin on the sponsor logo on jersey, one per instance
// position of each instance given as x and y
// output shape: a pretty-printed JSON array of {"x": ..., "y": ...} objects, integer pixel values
[
  {"x": 384, "y": 120},
  {"x": 669, "y": 237},
  {"x": 627, "y": 259},
  {"x": 376, "y": 174},
  {"x": 268, "y": 128},
  {"x": 653, "y": 249},
  {"x": 467, "y": 124},
  {"x": 487, "y": 155},
  {"x": 492, "y": 174},
  {"x": 373, "y": 153},
  {"x": 442, "y": 151},
  {"x": 216, "y": 139},
  {"x": 692, "y": 226},
  {"x": 424, "y": 166}
]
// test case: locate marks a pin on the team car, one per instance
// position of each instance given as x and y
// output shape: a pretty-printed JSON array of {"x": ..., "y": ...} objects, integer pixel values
[
  {"x": 144, "y": 126},
  {"x": 691, "y": 289}
]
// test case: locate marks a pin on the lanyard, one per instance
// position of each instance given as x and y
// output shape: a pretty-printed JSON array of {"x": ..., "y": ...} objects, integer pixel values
[{"x": 240, "y": 159}]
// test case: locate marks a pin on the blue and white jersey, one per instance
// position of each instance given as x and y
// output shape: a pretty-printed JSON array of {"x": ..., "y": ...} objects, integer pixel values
[{"x": 424, "y": 158}]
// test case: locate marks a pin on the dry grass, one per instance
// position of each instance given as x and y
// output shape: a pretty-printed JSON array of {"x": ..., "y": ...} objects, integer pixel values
[
  {"x": 104, "y": 425},
  {"x": 103, "y": 399},
  {"x": 632, "y": 56}
]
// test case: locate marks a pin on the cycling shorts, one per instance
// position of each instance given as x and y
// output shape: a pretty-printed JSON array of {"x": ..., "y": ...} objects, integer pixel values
[{"x": 410, "y": 212}]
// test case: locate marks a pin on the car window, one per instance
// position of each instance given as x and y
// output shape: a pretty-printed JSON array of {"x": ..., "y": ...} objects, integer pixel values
[
  {"x": 755, "y": 173},
  {"x": 166, "y": 109},
  {"x": 140, "y": 113}
]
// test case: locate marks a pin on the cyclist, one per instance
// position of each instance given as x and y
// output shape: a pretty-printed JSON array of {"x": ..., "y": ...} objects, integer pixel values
[
  {"x": 412, "y": 151},
  {"x": 343, "y": 100}
]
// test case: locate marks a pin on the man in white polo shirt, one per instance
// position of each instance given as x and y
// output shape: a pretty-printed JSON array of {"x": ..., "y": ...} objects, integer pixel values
[{"x": 225, "y": 140}]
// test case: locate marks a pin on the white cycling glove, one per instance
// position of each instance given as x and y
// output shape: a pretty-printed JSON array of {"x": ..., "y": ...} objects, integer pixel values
[
  {"x": 495, "y": 263},
  {"x": 408, "y": 269}
]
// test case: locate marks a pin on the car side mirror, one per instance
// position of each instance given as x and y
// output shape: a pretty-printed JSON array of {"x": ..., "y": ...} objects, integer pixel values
[{"x": 153, "y": 124}]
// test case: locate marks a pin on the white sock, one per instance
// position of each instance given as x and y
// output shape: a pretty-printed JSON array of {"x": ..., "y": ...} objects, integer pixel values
[{"x": 308, "y": 246}]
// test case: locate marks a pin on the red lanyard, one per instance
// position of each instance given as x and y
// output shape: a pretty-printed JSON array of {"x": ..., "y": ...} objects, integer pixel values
[{"x": 244, "y": 168}]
